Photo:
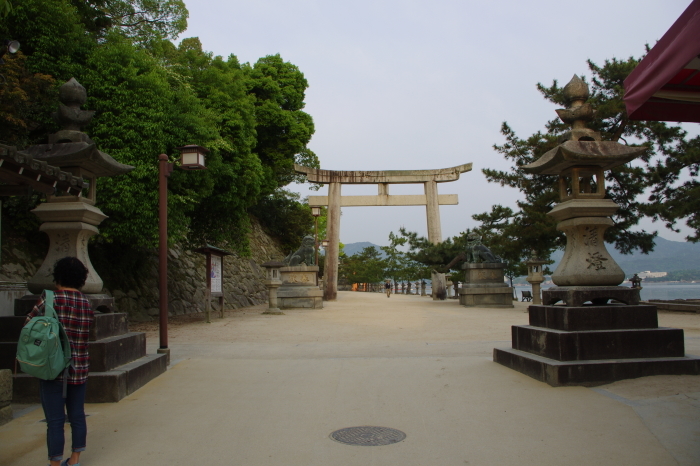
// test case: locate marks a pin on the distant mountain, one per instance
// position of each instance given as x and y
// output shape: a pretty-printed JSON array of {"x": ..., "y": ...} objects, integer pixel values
[
  {"x": 353, "y": 248},
  {"x": 666, "y": 257}
]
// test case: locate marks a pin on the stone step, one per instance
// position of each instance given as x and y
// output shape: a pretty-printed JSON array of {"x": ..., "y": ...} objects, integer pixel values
[
  {"x": 105, "y": 354},
  {"x": 109, "y": 353},
  {"x": 102, "y": 387},
  {"x": 593, "y": 372},
  {"x": 611, "y": 317},
  {"x": 105, "y": 326},
  {"x": 599, "y": 344}
]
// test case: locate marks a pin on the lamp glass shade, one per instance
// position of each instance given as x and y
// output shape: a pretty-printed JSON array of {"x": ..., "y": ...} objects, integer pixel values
[
  {"x": 315, "y": 211},
  {"x": 192, "y": 157},
  {"x": 324, "y": 243},
  {"x": 13, "y": 46}
]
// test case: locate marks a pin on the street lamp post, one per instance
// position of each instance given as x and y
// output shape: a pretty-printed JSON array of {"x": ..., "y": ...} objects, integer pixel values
[
  {"x": 316, "y": 212},
  {"x": 324, "y": 245},
  {"x": 191, "y": 158}
]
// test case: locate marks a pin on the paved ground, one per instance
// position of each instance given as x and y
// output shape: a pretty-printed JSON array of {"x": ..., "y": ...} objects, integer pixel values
[{"x": 260, "y": 390}]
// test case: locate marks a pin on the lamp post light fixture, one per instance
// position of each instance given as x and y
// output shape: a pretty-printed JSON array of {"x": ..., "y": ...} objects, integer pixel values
[
  {"x": 316, "y": 212},
  {"x": 191, "y": 158},
  {"x": 324, "y": 245},
  {"x": 8, "y": 46}
]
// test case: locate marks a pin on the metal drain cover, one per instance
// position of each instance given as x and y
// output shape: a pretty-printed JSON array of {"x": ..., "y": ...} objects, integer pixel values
[{"x": 368, "y": 436}]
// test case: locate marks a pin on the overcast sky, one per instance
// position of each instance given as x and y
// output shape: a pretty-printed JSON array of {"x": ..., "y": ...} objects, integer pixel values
[{"x": 424, "y": 85}]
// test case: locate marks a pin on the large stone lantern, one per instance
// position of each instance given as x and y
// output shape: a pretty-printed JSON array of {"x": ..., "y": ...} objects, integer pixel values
[
  {"x": 590, "y": 344},
  {"x": 71, "y": 219}
]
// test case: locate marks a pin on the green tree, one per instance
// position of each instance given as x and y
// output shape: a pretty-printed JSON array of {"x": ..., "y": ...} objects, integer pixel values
[
  {"x": 285, "y": 217},
  {"x": 5, "y": 7},
  {"x": 141, "y": 20},
  {"x": 367, "y": 266},
  {"x": 150, "y": 97},
  {"x": 399, "y": 267},
  {"x": 669, "y": 156},
  {"x": 283, "y": 128},
  {"x": 433, "y": 256}
]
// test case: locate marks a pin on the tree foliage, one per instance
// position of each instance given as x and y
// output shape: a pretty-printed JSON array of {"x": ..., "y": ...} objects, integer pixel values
[
  {"x": 367, "y": 266},
  {"x": 668, "y": 170},
  {"x": 150, "y": 97}
]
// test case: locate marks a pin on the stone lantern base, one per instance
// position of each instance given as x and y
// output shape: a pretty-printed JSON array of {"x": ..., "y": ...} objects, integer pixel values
[
  {"x": 119, "y": 364},
  {"x": 589, "y": 345}
]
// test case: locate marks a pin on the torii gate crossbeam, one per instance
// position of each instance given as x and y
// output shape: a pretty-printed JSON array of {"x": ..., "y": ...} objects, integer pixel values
[{"x": 334, "y": 201}]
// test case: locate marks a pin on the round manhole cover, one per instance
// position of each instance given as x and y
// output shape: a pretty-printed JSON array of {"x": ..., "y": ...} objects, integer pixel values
[{"x": 368, "y": 436}]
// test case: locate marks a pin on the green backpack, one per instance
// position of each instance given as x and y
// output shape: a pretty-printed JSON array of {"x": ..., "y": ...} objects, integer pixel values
[{"x": 43, "y": 350}]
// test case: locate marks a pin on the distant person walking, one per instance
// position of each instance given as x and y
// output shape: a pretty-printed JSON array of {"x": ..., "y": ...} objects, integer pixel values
[
  {"x": 76, "y": 315},
  {"x": 387, "y": 288}
]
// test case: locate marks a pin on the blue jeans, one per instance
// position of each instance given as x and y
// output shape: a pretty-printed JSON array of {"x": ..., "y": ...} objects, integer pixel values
[{"x": 53, "y": 402}]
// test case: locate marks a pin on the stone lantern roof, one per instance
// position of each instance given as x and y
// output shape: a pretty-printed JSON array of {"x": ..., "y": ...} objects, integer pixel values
[
  {"x": 581, "y": 147},
  {"x": 20, "y": 171}
]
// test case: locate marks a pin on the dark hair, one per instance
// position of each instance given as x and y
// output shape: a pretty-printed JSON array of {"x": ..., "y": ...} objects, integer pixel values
[{"x": 70, "y": 273}]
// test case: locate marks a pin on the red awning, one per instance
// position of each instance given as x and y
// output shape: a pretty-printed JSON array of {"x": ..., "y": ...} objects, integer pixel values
[{"x": 665, "y": 86}]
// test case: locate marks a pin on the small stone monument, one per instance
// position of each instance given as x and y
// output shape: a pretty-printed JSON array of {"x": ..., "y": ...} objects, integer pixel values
[
  {"x": 484, "y": 284},
  {"x": 535, "y": 276},
  {"x": 272, "y": 282},
  {"x": 299, "y": 277},
  {"x": 574, "y": 343}
]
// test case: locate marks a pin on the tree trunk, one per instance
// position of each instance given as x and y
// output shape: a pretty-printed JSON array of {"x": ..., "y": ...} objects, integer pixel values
[{"x": 439, "y": 286}]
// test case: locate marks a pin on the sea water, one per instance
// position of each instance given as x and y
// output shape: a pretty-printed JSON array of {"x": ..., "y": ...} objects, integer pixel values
[{"x": 650, "y": 290}]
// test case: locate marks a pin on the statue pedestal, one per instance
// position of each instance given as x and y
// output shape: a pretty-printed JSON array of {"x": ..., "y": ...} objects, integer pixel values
[
  {"x": 484, "y": 287},
  {"x": 299, "y": 288}
]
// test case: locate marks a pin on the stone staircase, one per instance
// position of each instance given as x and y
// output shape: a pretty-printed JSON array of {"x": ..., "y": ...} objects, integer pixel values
[
  {"x": 119, "y": 364},
  {"x": 594, "y": 345}
]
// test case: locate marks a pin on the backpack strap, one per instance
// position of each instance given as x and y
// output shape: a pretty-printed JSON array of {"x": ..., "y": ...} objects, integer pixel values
[{"x": 49, "y": 311}]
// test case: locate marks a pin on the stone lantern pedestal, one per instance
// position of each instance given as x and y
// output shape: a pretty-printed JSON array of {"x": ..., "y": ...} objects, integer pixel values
[
  {"x": 484, "y": 286},
  {"x": 300, "y": 288}
]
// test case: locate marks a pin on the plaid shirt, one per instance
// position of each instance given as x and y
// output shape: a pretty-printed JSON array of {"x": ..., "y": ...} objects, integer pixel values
[{"x": 76, "y": 315}]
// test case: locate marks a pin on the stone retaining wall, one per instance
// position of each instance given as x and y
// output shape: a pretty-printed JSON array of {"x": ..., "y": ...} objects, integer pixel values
[{"x": 137, "y": 292}]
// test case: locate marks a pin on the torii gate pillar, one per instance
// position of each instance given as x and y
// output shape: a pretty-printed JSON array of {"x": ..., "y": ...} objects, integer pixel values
[
  {"x": 330, "y": 281},
  {"x": 432, "y": 210},
  {"x": 431, "y": 200}
]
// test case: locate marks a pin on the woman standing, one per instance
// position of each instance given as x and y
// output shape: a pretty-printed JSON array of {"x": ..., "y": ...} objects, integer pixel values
[{"x": 76, "y": 315}]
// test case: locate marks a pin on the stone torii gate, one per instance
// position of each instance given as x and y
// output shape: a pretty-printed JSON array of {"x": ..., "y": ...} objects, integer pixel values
[{"x": 334, "y": 201}]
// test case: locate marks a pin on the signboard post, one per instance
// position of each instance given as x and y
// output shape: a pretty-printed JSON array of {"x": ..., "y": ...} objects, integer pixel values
[{"x": 215, "y": 277}]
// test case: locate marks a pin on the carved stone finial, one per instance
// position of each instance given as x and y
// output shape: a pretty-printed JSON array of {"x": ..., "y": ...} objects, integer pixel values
[
  {"x": 72, "y": 95},
  {"x": 576, "y": 90},
  {"x": 576, "y": 93}
]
